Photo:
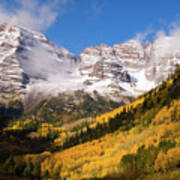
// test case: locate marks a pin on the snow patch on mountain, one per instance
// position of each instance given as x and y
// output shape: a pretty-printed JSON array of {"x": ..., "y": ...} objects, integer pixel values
[
  {"x": 129, "y": 68},
  {"x": 28, "y": 58},
  {"x": 32, "y": 66}
]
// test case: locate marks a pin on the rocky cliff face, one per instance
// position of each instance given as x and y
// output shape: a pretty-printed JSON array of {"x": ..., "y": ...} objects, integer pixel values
[
  {"x": 28, "y": 58},
  {"x": 128, "y": 68},
  {"x": 32, "y": 68},
  {"x": 11, "y": 75}
]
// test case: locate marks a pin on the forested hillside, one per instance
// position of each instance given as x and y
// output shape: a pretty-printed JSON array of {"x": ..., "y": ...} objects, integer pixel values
[{"x": 138, "y": 141}]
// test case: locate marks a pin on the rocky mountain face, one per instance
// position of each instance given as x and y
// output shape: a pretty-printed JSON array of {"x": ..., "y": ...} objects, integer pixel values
[
  {"x": 109, "y": 68},
  {"x": 128, "y": 68},
  {"x": 28, "y": 58},
  {"x": 32, "y": 68}
]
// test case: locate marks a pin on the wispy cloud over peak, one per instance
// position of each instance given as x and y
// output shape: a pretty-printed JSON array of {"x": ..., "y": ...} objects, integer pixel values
[
  {"x": 171, "y": 30},
  {"x": 142, "y": 36}
]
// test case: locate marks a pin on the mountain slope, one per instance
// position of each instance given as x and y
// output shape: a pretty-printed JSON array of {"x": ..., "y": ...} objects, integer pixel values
[
  {"x": 71, "y": 106},
  {"x": 137, "y": 141},
  {"x": 142, "y": 145}
]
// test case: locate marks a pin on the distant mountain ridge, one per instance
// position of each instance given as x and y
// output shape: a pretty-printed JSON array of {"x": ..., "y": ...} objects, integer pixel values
[
  {"x": 31, "y": 67},
  {"x": 128, "y": 68}
]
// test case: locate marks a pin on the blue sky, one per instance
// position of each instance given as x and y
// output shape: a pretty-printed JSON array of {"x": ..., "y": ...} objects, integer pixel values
[
  {"x": 92, "y": 22},
  {"x": 82, "y": 23}
]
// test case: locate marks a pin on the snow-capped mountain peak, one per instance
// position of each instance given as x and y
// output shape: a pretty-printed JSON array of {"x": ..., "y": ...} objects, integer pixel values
[
  {"x": 129, "y": 68},
  {"x": 28, "y": 57},
  {"x": 31, "y": 65}
]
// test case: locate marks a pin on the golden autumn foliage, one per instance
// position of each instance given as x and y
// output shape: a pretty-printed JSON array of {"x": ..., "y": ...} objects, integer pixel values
[
  {"x": 105, "y": 117},
  {"x": 167, "y": 161},
  {"x": 167, "y": 114},
  {"x": 102, "y": 157},
  {"x": 161, "y": 162},
  {"x": 149, "y": 141}
]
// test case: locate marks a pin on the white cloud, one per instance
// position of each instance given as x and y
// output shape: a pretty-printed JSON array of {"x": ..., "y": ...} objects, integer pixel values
[
  {"x": 143, "y": 36},
  {"x": 160, "y": 34},
  {"x": 32, "y": 13},
  {"x": 170, "y": 39},
  {"x": 166, "y": 39}
]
